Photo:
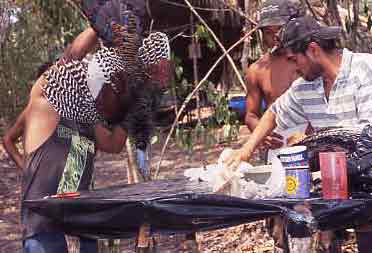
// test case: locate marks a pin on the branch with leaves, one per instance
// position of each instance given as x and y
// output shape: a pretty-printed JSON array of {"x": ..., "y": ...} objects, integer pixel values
[
  {"x": 231, "y": 61},
  {"x": 188, "y": 98}
]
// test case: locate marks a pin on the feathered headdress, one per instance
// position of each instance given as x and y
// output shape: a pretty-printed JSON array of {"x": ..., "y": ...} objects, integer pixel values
[
  {"x": 119, "y": 23},
  {"x": 154, "y": 48},
  {"x": 102, "y": 14}
]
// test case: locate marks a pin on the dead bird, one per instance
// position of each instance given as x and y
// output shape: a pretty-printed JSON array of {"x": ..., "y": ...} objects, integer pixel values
[{"x": 356, "y": 142}]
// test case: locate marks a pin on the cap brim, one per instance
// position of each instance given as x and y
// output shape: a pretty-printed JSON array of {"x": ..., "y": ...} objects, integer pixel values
[
  {"x": 330, "y": 32},
  {"x": 325, "y": 33},
  {"x": 274, "y": 21}
]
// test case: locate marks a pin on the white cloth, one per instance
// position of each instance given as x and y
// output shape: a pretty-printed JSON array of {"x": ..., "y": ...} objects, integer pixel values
[
  {"x": 217, "y": 175},
  {"x": 96, "y": 77}
]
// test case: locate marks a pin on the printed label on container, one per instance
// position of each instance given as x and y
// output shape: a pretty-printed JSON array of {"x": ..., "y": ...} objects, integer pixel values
[
  {"x": 294, "y": 157},
  {"x": 298, "y": 183}
]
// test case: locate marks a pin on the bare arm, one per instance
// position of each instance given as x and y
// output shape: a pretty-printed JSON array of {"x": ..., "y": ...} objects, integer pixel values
[
  {"x": 11, "y": 137},
  {"x": 253, "y": 101},
  {"x": 263, "y": 129},
  {"x": 110, "y": 141},
  {"x": 253, "y": 104},
  {"x": 83, "y": 44}
]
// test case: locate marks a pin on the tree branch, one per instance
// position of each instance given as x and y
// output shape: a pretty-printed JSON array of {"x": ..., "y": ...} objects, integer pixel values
[
  {"x": 311, "y": 10},
  {"x": 219, "y": 44},
  {"x": 188, "y": 98}
]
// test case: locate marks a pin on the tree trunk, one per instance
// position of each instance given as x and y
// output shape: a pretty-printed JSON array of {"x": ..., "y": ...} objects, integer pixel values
[
  {"x": 246, "y": 46},
  {"x": 334, "y": 17},
  {"x": 143, "y": 239},
  {"x": 4, "y": 19},
  {"x": 194, "y": 43},
  {"x": 355, "y": 24}
]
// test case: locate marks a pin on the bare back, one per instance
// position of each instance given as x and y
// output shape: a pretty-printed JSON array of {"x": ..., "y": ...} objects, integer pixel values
[
  {"x": 274, "y": 76},
  {"x": 40, "y": 118},
  {"x": 267, "y": 79}
]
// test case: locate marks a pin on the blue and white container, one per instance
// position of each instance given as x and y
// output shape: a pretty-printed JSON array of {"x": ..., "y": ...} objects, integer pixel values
[
  {"x": 298, "y": 177},
  {"x": 294, "y": 157},
  {"x": 298, "y": 183}
]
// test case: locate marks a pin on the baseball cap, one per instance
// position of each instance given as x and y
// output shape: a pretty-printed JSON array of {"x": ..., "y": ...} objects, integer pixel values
[
  {"x": 278, "y": 12},
  {"x": 306, "y": 27}
]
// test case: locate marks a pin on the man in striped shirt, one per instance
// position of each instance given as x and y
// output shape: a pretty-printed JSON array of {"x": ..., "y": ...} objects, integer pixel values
[{"x": 335, "y": 88}]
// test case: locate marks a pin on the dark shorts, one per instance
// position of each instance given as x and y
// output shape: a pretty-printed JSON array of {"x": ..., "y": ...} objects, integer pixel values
[
  {"x": 55, "y": 243},
  {"x": 63, "y": 163}
]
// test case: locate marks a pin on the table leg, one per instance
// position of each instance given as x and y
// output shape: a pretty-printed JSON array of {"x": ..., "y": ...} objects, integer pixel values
[
  {"x": 143, "y": 241},
  {"x": 134, "y": 176},
  {"x": 190, "y": 244}
]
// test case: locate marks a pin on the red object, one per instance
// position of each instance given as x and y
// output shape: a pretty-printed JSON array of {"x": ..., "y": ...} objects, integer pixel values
[
  {"x": 66, "y": 195},
  {"x": 334, "y": 175}
]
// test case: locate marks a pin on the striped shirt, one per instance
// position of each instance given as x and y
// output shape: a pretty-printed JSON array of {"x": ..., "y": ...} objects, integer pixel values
[{"x": 349, "y": 103}]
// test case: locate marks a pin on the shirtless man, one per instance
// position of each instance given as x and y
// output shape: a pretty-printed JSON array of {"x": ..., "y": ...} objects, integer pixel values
[
  {"x": 266, "y": 80},
  {"x": 46, "y": 153},
  {"x": 66, "y": 120},
  {"x": 272, "y": 74}
]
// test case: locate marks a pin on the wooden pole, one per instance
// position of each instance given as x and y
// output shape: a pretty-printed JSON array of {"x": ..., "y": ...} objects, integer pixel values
[
  {"x": 190, "y": 242},
  {"x": 195, "y": 62},
  {"x": 246, "y": 44},
  {"x": 134, "y": 177}
]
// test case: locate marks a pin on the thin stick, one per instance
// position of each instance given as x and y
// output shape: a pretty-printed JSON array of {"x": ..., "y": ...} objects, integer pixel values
[
  {"x": 219, "y": 44},
  {"x": 198, "y": 8},
  {"x": 311, "y": 10},
  {"x": 134, "y": 176},
  {"x": 195, "y": 63},
  {"x": 188, "y": 98},
  {"x": 229, "y": 8}
]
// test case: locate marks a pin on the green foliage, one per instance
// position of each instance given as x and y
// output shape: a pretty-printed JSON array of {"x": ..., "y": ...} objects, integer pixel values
[
  {"x": 180, "y": 87},
  {"x": 39, "y": 34},
  {"x": 184, "y": 139},
  {"x": 223, "y": 115},
  {"x": 202, "y": 34},
  {"x": 207, "y": 132},
  {"x": 365, "y": 8},
  {"x": 203, "y": 132}
]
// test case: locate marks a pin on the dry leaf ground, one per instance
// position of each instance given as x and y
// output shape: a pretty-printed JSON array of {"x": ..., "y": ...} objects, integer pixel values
[{"x": 110, "y": 170}]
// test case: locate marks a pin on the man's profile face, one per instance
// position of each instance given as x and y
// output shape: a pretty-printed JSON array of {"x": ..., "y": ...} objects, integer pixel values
[
  {"x": 108, "y": 104},
  {"x": 162, "y": 73},
  {"x": 270, "y": 35},
  {"x": 305, "y": 66}
]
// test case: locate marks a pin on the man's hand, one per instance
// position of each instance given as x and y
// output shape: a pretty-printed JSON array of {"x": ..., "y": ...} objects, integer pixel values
[
  {"x": 110, "y": 141},
  {"x": 295, "y": 138},
  {"x": 273, "y": 141},
  {"x": 233, "y": 161},
  {"x": 162, "y": 72},
  {"x": 11, "y": 138}
]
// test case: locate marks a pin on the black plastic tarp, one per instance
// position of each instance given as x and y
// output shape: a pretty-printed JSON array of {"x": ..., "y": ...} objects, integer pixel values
[{"x": 172, "y": 206}]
